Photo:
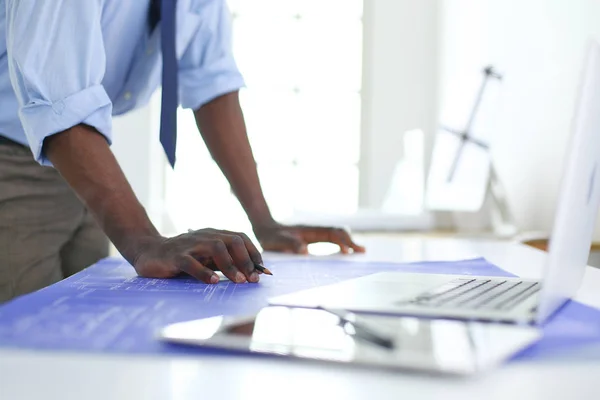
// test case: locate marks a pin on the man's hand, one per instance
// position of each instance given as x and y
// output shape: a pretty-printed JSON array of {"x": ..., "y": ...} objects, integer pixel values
[
  {"x": 222, "y": 126},
  {"x": 198, "y": 254},
  {"x": 295, "y": 239}
]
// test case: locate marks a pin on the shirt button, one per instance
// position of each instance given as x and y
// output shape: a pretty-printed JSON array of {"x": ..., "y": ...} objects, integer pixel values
[
  {"x": 149, "y": 51},
  {"x": 127, "y": 95}
]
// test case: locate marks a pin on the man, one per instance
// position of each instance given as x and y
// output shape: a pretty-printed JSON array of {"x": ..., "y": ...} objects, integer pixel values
[{"x": 67, "y": 66}]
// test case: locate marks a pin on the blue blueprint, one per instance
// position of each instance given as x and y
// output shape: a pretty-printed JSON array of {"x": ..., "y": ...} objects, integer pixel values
[{"x": 108, "y": 308}]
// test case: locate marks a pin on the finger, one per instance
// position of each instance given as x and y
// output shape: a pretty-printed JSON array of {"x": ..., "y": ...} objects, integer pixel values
[
  {"x": 223, "y": 260},
  {"x": 337, "y": 236},
  {"x": 214, "y": 267},
  {"x": 347, "y": 241},
  {"x": 255, "y": 255},
  {"x": 192, "y": 267},
  {"x": 241, "y": 259},
  {"x": 211, "y": 265},
  {"x": 288, "y": 243},
  {"x": 350, "y": 243},
  {"x": 315, "y": 234},
  {"x": 358, "y": 248},
  {"x": 318, "y": 234}
]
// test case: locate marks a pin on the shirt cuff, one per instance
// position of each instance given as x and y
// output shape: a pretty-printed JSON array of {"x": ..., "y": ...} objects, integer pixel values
[
  {"x": 41, "y": 118},
  {"x": 200, "y": 86}
]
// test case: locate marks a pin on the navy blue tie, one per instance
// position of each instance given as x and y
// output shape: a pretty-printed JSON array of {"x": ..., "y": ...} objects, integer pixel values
[{"x": 168, "y": 112}]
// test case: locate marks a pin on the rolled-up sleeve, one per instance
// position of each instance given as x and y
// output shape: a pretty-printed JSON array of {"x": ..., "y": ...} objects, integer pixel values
[
  {"x": 57, "y": 62},
  {"x": 207, "y": 68}
]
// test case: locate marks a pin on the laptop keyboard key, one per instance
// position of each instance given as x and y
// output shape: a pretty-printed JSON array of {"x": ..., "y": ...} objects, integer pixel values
[
  {"x": 472, "y": 296},
  {"x": 490, "y": 298},
  {"x": 459, "y": 293},
  {"x": 477, "y": 294},
  {"x": 521, "y": 295},
  {"x": 443, "y": 289}
]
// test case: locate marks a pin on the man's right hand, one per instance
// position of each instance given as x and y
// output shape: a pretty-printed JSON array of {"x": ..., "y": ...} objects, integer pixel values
[
  {"x": 84, "y": 159},
  {"x": 199, "y": 253}
]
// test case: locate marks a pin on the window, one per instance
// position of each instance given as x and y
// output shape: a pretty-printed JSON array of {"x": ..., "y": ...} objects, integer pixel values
[{"x": 302, "y": 61}]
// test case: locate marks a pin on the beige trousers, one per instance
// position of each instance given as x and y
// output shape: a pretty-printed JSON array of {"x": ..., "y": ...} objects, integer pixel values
[{"x": 46, "y": 233}]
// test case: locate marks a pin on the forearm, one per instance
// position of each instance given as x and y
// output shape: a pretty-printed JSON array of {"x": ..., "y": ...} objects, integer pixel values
[
  {"x": 84, "y": 159},
  {"x": 222, "y": 126}
]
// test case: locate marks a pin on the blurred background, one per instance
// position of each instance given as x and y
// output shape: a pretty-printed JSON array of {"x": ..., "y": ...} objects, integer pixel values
[{"x": 344, "y": 101}]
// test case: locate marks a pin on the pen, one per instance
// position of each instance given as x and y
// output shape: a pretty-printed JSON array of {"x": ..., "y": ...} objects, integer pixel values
[
  {"x": 262, "y": 269},
  {"x": 258, "y": 267}
]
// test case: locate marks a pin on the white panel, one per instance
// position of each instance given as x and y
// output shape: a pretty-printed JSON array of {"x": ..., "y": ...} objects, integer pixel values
[{"x": 399, "y": 86}]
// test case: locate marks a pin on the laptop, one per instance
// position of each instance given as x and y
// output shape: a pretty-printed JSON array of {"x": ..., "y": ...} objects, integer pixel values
[{"x": 488, "y": 298}]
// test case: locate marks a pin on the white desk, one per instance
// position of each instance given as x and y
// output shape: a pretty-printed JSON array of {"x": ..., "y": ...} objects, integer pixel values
[{"x": 54, "y": 376}]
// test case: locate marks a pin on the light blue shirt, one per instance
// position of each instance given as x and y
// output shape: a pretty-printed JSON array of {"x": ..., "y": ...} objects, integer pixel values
[{"x": 70, "y": 62}]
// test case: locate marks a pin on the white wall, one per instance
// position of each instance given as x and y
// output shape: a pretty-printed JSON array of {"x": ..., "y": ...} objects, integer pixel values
[
  {"x": 539, "y": 46},
  {"x": 132, "y": 149},
  {"x": 399, "y": 86},
  {"x": 137, "y": 148}
]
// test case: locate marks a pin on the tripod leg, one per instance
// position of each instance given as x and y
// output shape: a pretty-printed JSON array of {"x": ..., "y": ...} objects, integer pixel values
[
  {"x": 454, "y": 166},
  {"x": 503, "y": 221}
]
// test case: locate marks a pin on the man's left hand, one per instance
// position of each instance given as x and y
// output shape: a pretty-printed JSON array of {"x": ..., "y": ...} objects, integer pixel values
[{"x": 295, "y": 239}]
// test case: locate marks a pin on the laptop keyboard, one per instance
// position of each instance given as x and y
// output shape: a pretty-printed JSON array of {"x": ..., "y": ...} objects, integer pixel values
[{"x": 478, "y": 294}]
